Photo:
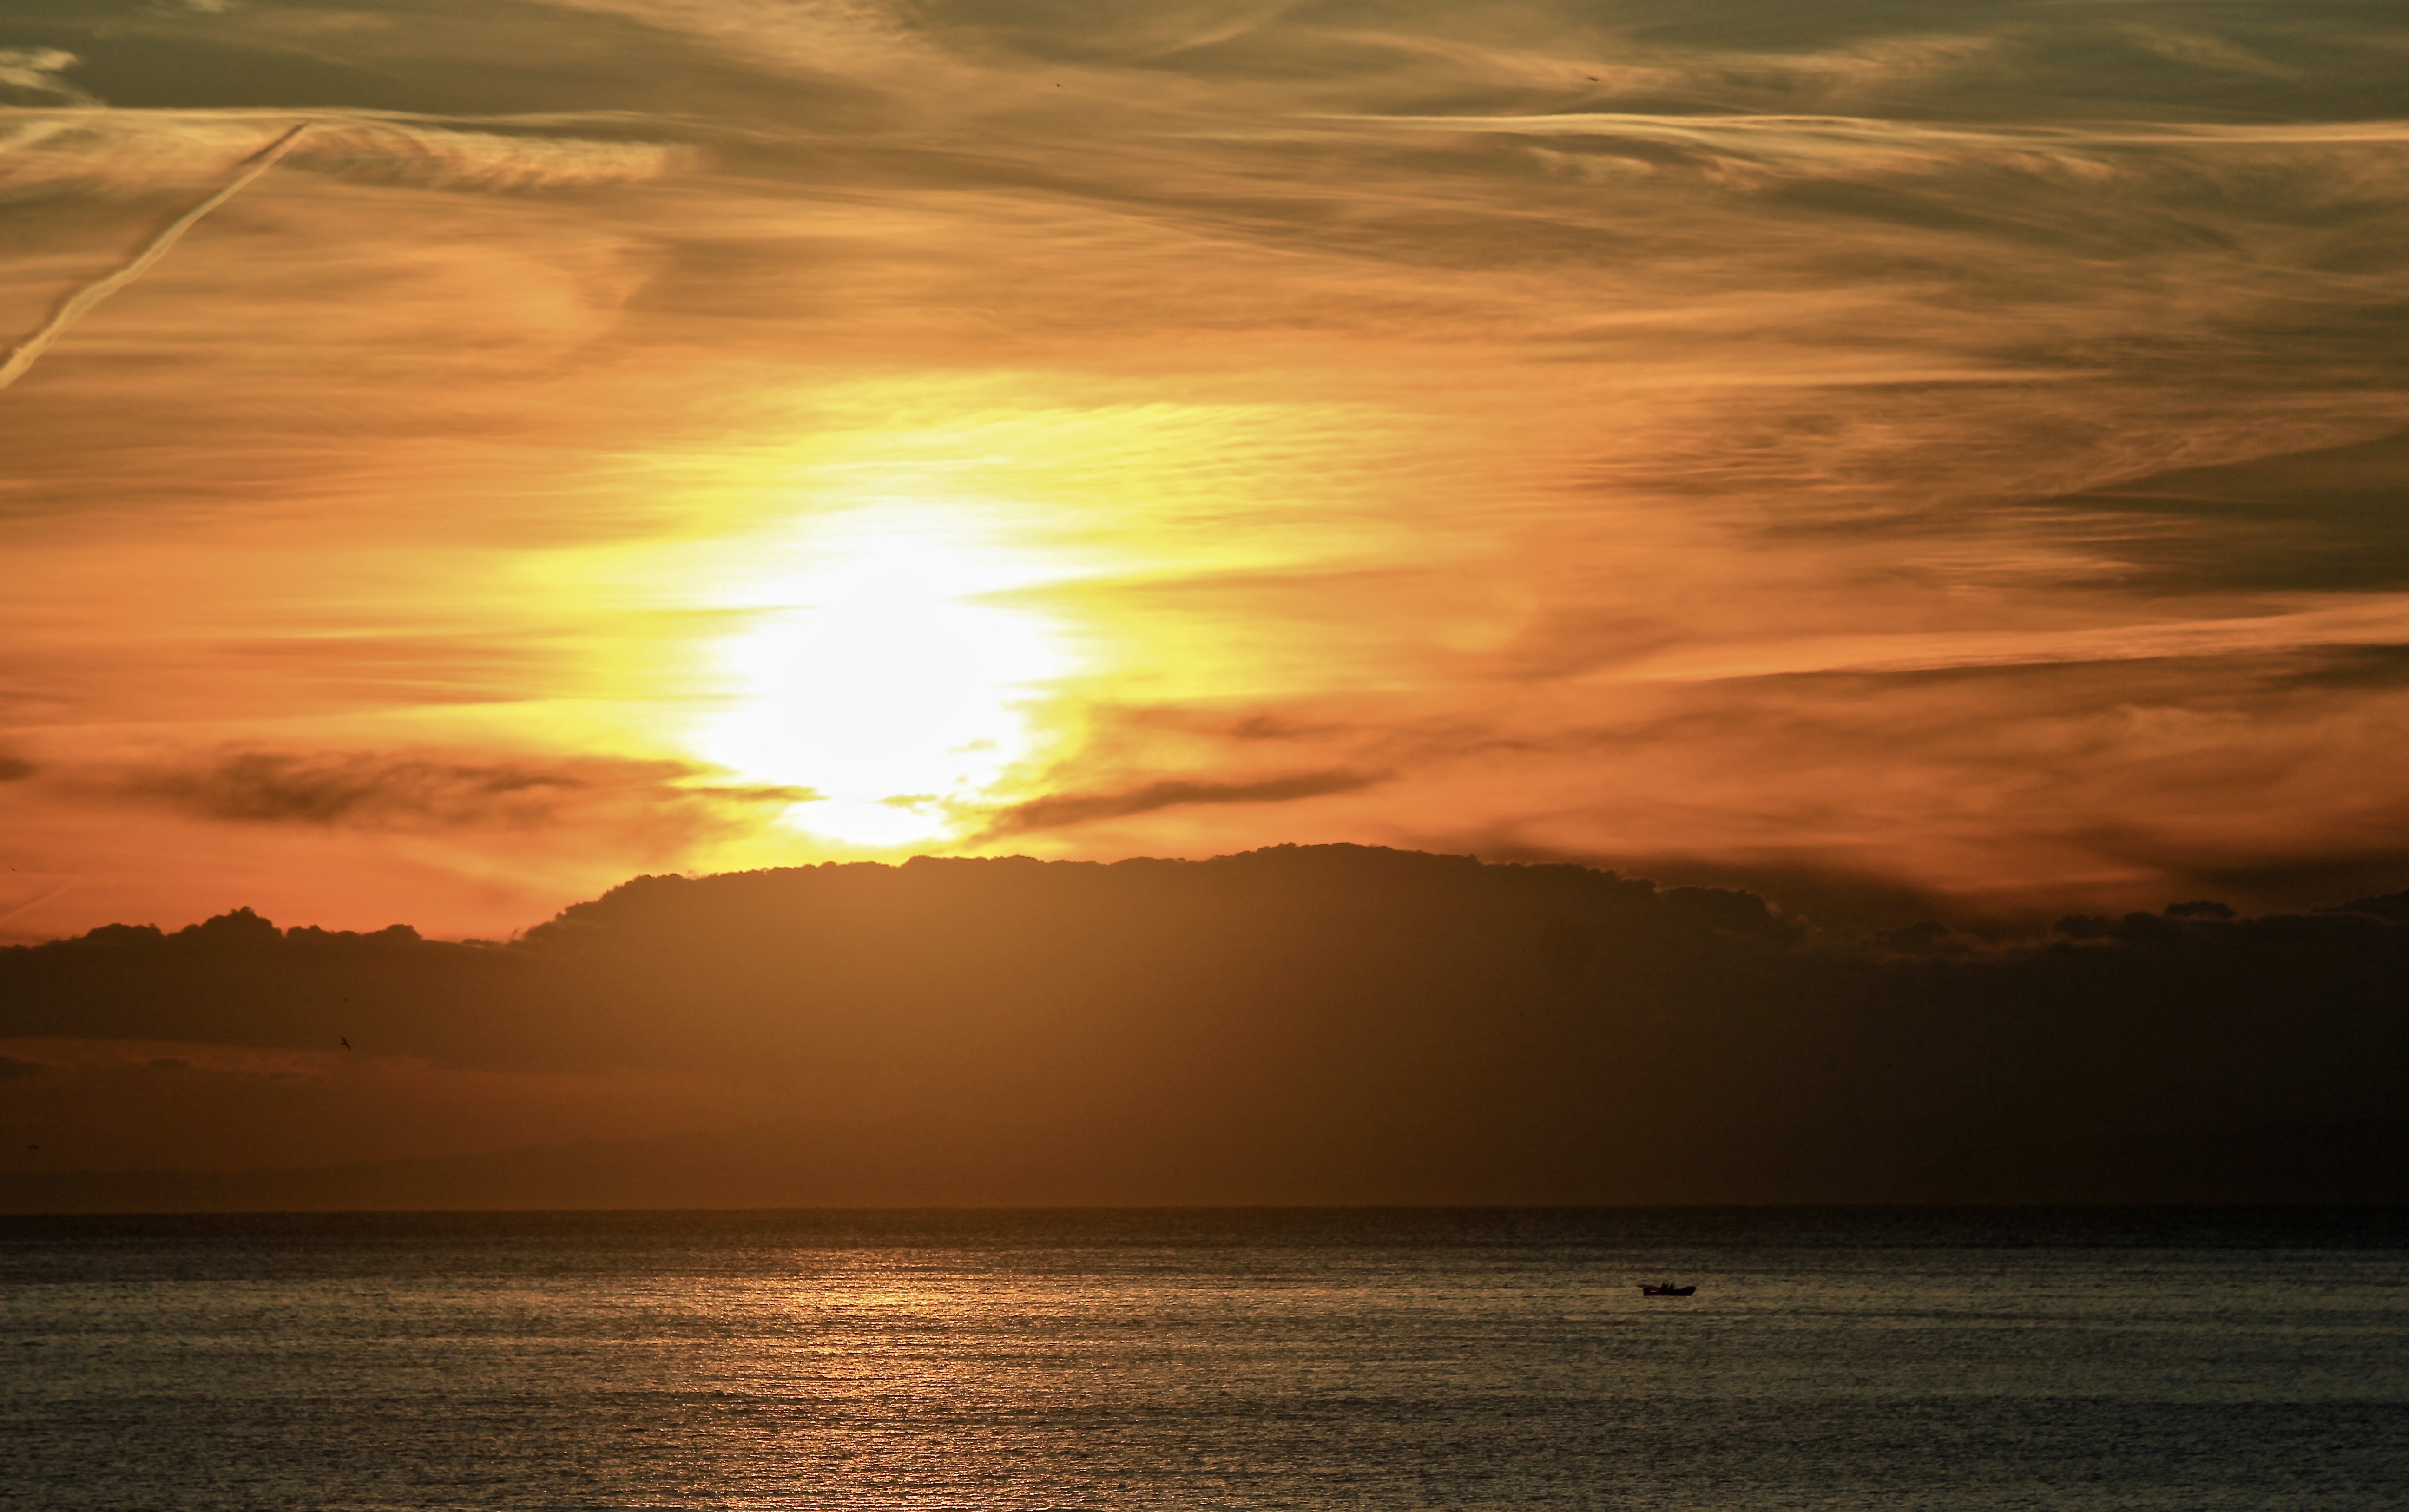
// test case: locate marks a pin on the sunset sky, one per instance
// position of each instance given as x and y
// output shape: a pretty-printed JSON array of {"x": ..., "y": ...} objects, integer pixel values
[{"x": 1935, "y": 452}]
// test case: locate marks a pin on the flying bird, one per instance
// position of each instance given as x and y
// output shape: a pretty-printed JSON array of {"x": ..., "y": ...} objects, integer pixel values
[{"x": 347, "y": 1043}]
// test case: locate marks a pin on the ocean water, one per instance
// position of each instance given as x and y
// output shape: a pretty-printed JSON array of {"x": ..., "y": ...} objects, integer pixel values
[{"x": 1208, "y": 1358}]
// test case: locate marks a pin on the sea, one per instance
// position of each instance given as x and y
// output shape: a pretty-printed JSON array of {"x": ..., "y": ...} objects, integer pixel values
[{"x": 1214, "y": 1357}]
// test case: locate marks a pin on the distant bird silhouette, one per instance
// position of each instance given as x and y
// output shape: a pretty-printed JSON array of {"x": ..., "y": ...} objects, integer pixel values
[{"x": 347, "y": 1043}]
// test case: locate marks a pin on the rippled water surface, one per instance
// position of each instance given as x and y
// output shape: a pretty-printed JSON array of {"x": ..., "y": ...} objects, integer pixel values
[{"x": 1312, "y": 1360}]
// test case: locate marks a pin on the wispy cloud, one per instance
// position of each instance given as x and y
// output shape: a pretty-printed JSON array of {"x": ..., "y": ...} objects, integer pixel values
[
  {"x": 387, "y": 791},
  {"x": 29, "y": 349},
  {"x": 1059, "y": 810},
  {"x": 1767, "y": 439},
  {"x": 125, "y": 154},
  {"x": 38, "y": 72},
  {"x": 117, "y": 150}
]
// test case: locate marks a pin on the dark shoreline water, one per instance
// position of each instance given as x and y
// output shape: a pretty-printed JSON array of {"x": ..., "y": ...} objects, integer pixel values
[{"x": 1275, "y": 1357}]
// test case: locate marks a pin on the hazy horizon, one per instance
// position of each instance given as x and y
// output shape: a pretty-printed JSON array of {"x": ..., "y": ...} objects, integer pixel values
[{"x": 1313, "y": 1025}]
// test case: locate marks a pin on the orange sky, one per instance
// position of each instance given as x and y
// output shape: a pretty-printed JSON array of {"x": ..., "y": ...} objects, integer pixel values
[{"x": 1944, "y": 458}]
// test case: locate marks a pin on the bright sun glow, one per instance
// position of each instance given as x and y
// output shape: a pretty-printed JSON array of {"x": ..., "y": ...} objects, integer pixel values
[{"x": 879, "y": 677}]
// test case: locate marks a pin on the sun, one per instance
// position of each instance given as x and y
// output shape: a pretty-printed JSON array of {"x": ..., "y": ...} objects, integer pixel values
[{"x": 882, "y": 674}]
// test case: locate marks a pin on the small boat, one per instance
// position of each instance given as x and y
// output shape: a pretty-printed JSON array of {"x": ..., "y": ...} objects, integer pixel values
[{"x": 1668, "y": 1289}]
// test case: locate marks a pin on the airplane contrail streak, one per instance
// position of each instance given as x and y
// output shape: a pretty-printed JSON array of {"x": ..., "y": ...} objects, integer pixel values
[
  {"x": 39, "y": 899},
  {"x": 75, "y": 306}
]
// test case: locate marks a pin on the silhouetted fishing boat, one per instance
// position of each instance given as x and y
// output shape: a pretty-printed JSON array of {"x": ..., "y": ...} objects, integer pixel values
[{"x": 1668, "y": 1289}]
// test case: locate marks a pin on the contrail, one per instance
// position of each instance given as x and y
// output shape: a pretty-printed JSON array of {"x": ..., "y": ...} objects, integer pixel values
[
  {"x": 75, "y": 306},
  {"x": 39, "y": 899}
]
